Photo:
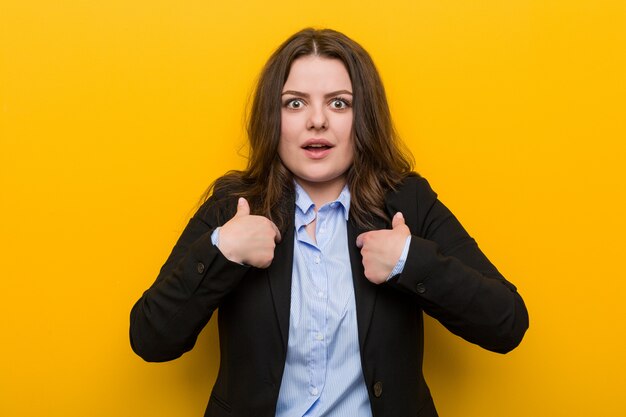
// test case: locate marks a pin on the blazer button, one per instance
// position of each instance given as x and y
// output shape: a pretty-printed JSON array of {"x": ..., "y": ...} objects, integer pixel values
[
  {"x": 200, "y": 267},
  {"x": 378, "y": 389},
  {"x": 420, "y": 288}
]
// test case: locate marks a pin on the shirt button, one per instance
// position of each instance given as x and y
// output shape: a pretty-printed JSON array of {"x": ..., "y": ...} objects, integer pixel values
[
  {"x": 314, "y": 391},
  {"x": 320, "y": 294},
  {"x": 317, "y": 260},
  {"x": 200, "y": 267},
  {"x": 420, "y": 288},
  {"x": 319, "y": 336}
]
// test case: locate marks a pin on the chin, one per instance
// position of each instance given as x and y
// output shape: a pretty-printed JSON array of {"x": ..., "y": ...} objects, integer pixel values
[{"x": 321, "y": 179}]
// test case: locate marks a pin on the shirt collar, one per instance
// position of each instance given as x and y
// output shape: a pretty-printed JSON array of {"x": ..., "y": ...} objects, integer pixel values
[{"x": 304, "y": 205}]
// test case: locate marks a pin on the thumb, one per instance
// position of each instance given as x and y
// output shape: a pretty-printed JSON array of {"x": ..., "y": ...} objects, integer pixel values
[
  {"x": 243, "y": 209},
  {"x": 359, "y": 240},
  {"x": 398, "y": 220}
]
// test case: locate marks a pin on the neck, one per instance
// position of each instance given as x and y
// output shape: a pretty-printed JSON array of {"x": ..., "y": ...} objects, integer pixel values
[{"x": 322, "y": 193}]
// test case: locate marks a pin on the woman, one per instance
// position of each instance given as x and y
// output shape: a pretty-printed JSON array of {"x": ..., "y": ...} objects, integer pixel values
[{"x": 322, "y": 255}]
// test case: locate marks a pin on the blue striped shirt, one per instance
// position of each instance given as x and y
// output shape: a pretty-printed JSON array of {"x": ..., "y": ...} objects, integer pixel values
[{"x": 323, "y": 373}]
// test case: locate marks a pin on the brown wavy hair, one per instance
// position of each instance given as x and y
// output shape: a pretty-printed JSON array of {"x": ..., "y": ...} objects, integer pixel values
[{"x": 381, "y": 161}]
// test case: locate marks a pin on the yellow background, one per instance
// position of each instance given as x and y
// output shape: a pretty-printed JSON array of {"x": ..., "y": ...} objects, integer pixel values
[{"x": 115, "y": 115}]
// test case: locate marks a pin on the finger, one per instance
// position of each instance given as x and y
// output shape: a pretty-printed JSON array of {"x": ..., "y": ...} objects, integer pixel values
[
  {"x": 359, "y": 240},
  {"x": 277, "y": 237},
  {"x": 398, "y": 220},
  {"x": 243, "y": 209}
]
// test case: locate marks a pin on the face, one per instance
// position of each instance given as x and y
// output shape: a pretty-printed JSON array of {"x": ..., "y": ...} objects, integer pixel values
[{"x": 316, "y": 124}]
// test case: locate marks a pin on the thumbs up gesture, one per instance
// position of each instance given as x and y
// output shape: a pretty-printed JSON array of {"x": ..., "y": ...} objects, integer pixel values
[
  {"x": 248, "y": 239},
  {"x": 381, "y": 249}
]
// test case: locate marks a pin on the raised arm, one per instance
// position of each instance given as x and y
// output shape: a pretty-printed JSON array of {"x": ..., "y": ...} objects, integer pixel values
[{"x": 450, "y": 276}]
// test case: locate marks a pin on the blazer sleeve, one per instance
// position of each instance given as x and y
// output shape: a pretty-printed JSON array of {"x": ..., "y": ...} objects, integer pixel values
[
  {"x": 453, "y": 280},
  {"x": 166, "y": 320}
]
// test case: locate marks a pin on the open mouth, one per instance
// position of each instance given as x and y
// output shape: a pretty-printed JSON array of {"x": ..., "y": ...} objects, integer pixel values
[{"x": 317, "y": 147}]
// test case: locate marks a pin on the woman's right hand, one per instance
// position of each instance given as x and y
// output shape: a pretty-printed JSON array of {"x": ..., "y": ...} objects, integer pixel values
[{"x": 248, "y": 239}]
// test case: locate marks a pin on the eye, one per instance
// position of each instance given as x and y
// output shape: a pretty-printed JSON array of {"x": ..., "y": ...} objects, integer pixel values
[
  {"x": 294, "y": 103},
  {"x": 339, "y": 103}
]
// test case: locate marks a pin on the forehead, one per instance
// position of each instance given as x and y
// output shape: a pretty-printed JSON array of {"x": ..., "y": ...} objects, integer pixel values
[{"x": 312, "y": 73}]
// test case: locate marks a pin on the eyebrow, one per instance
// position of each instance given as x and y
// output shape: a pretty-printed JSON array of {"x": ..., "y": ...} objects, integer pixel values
[{"x": 306, "y": 95}]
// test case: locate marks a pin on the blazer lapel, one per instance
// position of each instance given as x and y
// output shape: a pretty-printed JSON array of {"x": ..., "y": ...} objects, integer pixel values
[
  {"x": 279, "y": 277},
  {"x": 364, "y": 291}
]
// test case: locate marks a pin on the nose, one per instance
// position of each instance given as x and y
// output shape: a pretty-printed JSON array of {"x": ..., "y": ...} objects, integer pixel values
[{"x": 317, "y": 119}]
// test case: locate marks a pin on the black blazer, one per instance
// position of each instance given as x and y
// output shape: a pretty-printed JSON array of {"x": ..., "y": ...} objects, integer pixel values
[{"x": 446, "y": 275}]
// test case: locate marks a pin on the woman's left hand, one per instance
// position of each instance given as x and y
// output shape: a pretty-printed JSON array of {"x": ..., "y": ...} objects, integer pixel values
[{"x": 381, "y": 249}]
